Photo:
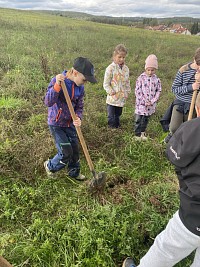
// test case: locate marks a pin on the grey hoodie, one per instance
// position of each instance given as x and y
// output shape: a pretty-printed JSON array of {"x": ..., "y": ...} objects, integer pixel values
[{"x": 183, "y": 151}]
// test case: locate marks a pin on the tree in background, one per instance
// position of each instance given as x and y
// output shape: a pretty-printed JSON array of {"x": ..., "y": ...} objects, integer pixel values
[
  {"x": 150, "y": 21},
  {"x": 195, "y": 28}
]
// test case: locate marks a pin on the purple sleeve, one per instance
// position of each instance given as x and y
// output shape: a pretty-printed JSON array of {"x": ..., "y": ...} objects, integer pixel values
[{"x": 51, "y": 96}]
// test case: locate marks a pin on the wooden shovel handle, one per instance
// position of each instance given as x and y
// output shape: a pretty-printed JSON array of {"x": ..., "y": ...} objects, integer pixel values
[
  {"x": 194, "y": 95},
  {"x": 78, "y": 129},
  {"x": 4, "y": 262}
]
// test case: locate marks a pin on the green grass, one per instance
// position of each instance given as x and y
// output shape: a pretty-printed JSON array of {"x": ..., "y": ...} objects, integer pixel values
[
  {"x": 11, "y": 103},
  {"x": 57, "y": 222}
]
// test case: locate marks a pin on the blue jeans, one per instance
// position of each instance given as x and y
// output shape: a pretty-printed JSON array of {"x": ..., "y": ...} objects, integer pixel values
[
  {"x": 114, "y": 114},
  {"x": 66, "y": 141}
]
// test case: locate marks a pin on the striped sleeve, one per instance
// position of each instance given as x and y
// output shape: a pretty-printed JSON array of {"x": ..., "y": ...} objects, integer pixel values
[{"x": 181, "y": 84}]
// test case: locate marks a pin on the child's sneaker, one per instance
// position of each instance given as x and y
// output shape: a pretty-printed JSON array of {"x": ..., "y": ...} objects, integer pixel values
[
  {"x": 81, "y": 177},
  {"x": 143, "y": 136},
  {"x": 75, "y": 173},
  {"x": 137, "y": 138},
  {"x": 128, "y": 262},
  {"x": 49, "y": 173}
]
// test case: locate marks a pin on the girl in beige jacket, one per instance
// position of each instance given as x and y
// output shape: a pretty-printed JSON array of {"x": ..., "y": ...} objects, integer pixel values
[{"x": 117, "y": 85}]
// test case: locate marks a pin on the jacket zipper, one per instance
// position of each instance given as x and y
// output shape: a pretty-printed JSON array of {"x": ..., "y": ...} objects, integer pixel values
[{"x": 58, "y": 114}]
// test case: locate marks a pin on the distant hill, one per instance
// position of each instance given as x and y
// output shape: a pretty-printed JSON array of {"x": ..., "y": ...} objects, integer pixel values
[
  {"x": 69, "y": 14},
  {"x": 179, "y": 20},
  {"x": 120, "y": 20}
]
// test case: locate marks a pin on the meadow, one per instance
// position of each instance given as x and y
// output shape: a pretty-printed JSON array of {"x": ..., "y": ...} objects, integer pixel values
[{"x": 54, "y": 223}]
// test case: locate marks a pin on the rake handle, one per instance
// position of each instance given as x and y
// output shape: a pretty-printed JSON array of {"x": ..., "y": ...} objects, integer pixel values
[
  {"x": 194, "y": 95},
  {"x": 78, "y": 129},
  {"x": 4, "y": 262}
]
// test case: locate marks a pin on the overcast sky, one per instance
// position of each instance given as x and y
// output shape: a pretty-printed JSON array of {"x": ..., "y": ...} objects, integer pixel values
[{"x": 119, "y": 8}]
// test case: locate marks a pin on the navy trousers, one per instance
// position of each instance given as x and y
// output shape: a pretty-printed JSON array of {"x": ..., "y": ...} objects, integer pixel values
[
  {"x": 66, "y": 142},
  {"x": 141, "y": 122},
  {"x": 114, "y": 114}
]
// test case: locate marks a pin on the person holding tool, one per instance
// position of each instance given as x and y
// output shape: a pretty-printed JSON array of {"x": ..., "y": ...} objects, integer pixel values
[
  {"x": 186, "y": 82},
  {"x": 60, "y": 122},
  {"x": 181, "y": 236}
]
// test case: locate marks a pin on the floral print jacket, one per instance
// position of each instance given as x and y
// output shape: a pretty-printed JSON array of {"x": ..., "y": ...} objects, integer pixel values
[
  {"x": 117, "y": 84},
  {"x": 147, "y": 93}
]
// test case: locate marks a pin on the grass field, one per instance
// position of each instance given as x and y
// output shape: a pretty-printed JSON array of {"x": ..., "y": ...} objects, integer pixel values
[{"x": 54, "y": 223}]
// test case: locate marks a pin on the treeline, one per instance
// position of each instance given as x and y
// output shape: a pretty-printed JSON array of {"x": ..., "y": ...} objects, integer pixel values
[
  {"x": 139, "y": 22},
  {"x": 127, "y": 21}
]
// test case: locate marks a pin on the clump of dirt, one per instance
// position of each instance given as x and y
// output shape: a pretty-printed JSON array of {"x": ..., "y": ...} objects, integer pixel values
[
  {"x": 156, "y": 201},
  {"x": 116, "y": 190}
]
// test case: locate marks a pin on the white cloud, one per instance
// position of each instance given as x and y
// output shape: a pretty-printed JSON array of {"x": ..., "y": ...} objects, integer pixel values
[{"x": 129, "y": 8}]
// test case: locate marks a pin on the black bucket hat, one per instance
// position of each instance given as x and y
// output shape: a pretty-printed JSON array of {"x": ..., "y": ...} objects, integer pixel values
[{"x": 84, "y": 66}]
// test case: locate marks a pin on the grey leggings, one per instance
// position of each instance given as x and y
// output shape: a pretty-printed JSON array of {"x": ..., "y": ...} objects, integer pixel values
[
  {"x": 178, "y": 118},
  {"x": 172, "y": 245}
]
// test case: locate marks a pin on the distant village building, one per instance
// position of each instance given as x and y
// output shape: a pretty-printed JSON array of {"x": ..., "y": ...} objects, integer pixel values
[
  {"x": 156, "y": 28},
  {"x": 183, "y": 31},
  {"x": 159, "y": 28},
  {"x": 149, "y": 28},
  {"x": 176, "y": 28}
]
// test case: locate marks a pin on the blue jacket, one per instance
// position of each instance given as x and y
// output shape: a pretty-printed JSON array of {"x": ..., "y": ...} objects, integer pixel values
[{"x": 58, "y": 111}]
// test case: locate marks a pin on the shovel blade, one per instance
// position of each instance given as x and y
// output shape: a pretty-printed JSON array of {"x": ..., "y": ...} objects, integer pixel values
[{"x": 97, "y": 184}]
